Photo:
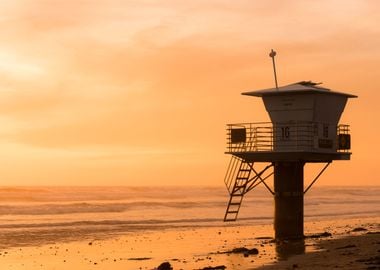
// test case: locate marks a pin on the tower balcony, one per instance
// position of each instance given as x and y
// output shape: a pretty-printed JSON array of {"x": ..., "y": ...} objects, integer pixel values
[{"x": 298, "y": 140}]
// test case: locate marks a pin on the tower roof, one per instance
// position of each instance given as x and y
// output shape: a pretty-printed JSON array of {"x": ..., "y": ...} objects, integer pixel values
[{"x": 295, "y": 88}]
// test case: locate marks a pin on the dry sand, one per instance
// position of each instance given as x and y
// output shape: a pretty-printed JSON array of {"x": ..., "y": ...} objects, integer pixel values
[{"x": 203, "y": 247}]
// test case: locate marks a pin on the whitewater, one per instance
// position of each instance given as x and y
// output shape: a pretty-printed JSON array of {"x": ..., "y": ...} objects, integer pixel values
[{"x": 40, "y": 215}]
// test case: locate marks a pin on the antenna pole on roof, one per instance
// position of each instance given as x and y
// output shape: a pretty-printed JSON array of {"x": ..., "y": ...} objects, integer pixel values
[{"x": 272, "y": 54}]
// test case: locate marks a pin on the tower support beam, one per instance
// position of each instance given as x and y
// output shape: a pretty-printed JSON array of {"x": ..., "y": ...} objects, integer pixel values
[
  {"x": 316, "y": 178},
  {"x": 288, "y": 188}
]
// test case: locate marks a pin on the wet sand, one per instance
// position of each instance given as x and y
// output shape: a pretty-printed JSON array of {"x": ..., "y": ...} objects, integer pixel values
[
  {"x": 354, "y": 244},
  {"x": 359, "y": 251}
]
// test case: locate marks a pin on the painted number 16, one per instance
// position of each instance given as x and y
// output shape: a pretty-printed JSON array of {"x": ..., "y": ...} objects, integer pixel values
[{"x": 285, "y": 132}]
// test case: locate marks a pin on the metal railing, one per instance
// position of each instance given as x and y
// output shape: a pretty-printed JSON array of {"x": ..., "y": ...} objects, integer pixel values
[
  {"x": 343, "y": 129},
  {"x": 343, "y": 138},
  {"x": 286, "y": 136}
]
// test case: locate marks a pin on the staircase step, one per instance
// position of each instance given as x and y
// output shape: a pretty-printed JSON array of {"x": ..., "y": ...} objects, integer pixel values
[
  {"x": 238, "y": 200},
  {"x": 235, "y": 205},
  {"x": 236, "y": 180}
]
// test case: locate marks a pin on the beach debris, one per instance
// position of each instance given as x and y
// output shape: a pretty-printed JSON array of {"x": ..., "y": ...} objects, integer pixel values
[
  {"x": 348, "y": 246},
  {"x": 264, "y": 238},
  {"x": 164, "y": 266},
  {"x": 359, "y": 229},
  {"x": 373, "y": 232},
  {"x": 252, "y": 251},
  {"x": 243, "y": 250},
  {"x": 139, "y": 259},
  {"x": 373, "y": 262},
  {"x": 319, "y": 235},
  {"x": 219, "y": 267}
]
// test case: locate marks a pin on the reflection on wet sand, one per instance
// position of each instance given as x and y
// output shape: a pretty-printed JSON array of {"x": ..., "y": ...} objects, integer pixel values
[{"x": 286, "y": 249}]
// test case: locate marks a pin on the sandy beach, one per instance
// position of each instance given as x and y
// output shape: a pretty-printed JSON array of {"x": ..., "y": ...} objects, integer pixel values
[
  {"x": 358, "y": 251},
  {"x": 353, "y": 244}
]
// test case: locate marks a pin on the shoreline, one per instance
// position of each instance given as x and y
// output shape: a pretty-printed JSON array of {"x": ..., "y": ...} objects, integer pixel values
[{"x": 197, "y": 248}]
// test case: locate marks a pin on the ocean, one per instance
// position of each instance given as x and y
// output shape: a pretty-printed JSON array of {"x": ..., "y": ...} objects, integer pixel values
[{"x": 43, "y": 215}]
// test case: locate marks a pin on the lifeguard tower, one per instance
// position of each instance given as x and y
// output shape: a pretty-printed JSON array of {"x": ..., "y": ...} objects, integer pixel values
[{"x": 304, "y": 128}]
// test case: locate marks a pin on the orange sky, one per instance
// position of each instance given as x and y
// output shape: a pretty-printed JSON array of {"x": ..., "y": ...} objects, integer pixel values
[{"x": 138, "y": 92}]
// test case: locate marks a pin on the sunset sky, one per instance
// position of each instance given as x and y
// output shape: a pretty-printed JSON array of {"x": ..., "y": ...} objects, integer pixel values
[{"x": 113, "y": 92}]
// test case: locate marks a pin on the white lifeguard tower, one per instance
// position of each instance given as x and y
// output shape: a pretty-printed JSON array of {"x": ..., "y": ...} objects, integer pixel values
[{"x": 304, "y": 128}]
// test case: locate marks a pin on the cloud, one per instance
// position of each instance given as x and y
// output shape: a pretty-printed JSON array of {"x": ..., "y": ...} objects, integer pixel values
[{"x": 164, "y": 77}]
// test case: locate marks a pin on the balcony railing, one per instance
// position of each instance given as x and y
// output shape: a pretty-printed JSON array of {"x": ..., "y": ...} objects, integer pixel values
[{"x": 287, "y": 137}]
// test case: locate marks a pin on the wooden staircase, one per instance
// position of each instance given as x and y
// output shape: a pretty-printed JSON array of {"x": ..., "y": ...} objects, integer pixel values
[{"x": 236, "y": 180}]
